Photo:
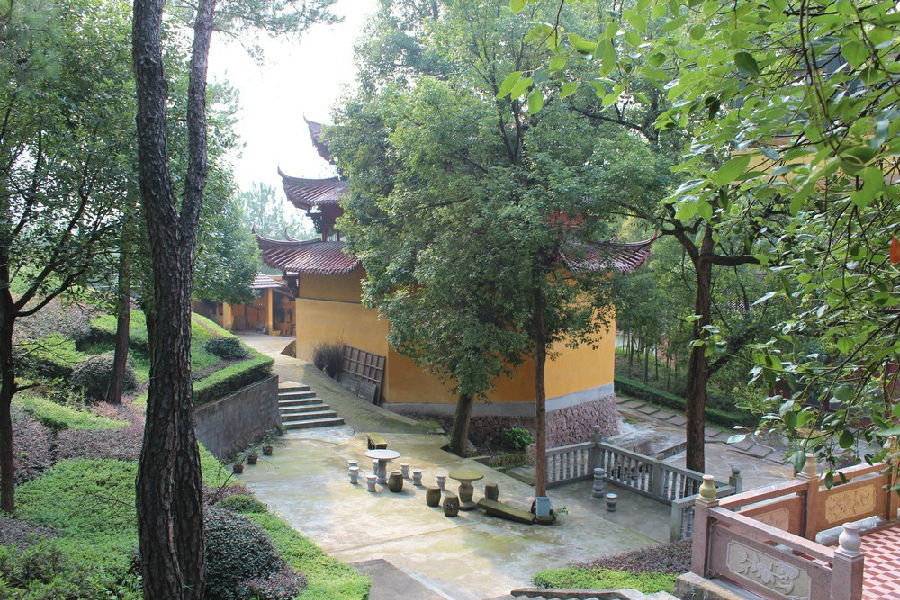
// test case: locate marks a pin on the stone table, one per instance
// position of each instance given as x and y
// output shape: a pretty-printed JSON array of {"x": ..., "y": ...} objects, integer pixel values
[
  {"x": 383, "y": 457},
  {"x": 465, "y": 477}
]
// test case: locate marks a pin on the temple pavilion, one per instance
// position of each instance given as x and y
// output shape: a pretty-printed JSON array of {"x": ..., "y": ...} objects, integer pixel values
[{"x": 326, "y": 283}]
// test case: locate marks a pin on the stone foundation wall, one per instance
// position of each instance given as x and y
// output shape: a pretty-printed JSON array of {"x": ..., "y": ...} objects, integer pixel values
[
  {"x": 564, "y": 426},
  {"x": 576, "y": 423}
]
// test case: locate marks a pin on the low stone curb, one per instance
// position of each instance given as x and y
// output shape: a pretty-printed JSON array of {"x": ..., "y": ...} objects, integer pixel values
[{"x": 562, "y": 594}]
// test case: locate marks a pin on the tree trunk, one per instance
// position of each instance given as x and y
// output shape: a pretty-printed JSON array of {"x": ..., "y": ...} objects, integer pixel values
[
  {"x": 123, "y": 325},
  {"x": 460, "y": 434},
  {"x": 8, "y": 389},
  {"x": 698, "y": 367},
  {"x": 646, "y": 363},
  {"x": 170, "y": 523},
  {"x": 540, "y": 357}
]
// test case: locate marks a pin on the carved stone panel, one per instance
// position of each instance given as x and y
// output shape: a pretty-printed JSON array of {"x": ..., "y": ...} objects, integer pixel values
[
  {"x": 843, "y": 505},
  {"x": 752, "y": 565},
  {"x": 780, "y": 518}
]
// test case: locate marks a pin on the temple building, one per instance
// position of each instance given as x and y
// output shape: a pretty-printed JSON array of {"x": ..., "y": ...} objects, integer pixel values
[{"x": 326, "y": 283}]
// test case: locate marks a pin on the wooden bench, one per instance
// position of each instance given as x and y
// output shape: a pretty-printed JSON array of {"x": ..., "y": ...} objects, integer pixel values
[
  {"x": 375, "y": 442},
  {"x": 505, "y": 511}
]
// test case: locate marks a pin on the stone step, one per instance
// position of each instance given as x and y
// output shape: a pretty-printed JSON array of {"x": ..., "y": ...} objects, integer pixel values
[
  {"x": 310, "y": 423},
  {"x": 293, "y": 387},
  {"x": 287, "y": 411},
  {"x": 298, "y": 402},
  {"x": 313, "y": 414},
  {"x": 296, "y": 394}
]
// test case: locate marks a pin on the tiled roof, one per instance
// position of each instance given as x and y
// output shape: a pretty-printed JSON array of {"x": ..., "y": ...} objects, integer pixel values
[
  {"x": 626, "y": 257},
  {"x": 310, "y": 257},
  {"x": 263, "y": 281},
  {"x": 315, "y": 133},
  {"x": 307, "y": 193}
]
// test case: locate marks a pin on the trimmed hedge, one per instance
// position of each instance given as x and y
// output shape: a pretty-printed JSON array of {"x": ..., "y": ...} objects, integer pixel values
[
  {"x": 56, "y": 416},
  {"x": 726, "y": 418},
  {"x": 605, "y": 579},
  {"x": 232, "y": 378}
]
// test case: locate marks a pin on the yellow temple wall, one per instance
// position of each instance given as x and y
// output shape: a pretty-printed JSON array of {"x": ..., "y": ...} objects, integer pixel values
[{"x": 329, "y": 310}]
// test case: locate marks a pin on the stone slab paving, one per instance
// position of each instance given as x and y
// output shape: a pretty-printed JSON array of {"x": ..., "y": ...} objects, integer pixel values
[
  {"x": 391, "y": 583},
  {"x": 469, "y": 557},
  {"x": 760, "y": 465}
]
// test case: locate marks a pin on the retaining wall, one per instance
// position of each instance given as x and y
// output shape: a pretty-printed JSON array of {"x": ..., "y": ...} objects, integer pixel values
[{"x": 230, "y": 424}]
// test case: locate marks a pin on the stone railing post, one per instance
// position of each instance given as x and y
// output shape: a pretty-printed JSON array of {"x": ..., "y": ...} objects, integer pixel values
[
  {"x": 736, "y": 480},
  {"x": 594, "y": 453},
  {"x": 847, "y": 568},
  {"x": 656, "y": 480},
  {"x": 700, "y": 547},
  {"x": 810, "y": 516}
]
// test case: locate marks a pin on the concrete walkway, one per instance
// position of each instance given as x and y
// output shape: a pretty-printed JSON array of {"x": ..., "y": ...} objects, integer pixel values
[{"x": 413, "y": 551}]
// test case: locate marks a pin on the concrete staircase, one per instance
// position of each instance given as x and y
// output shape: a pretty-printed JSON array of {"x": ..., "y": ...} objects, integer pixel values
[{"x": 300, "y": 409}]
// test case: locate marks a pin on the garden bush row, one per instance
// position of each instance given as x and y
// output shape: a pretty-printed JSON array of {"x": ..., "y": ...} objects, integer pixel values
[
  {"x": 719, "y": 416},
  {"x": 232, "y": 378}
]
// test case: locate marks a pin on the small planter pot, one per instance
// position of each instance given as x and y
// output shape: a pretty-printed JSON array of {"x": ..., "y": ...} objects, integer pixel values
[
  {"x": 268, "y": 449},
  {"x": 237, "y": 468},
  {"x": 251, "y": 458}
]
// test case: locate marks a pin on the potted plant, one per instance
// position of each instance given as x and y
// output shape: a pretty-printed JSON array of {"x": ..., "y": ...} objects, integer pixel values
[
  {"x": 268, "y": 449},
  {"x": 252, "y": 456},
  {"x": 237, "y": 468}
]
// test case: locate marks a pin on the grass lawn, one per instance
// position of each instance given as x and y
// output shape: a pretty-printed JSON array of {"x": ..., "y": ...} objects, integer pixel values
[
  {"x": 56, "y": 415},
  {"x": 602, "y": 579}
]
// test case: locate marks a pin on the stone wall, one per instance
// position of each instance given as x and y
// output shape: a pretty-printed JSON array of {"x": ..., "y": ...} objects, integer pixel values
[
  {"x": 568, "y": 425},
  {"x": 230, "y": 424}
]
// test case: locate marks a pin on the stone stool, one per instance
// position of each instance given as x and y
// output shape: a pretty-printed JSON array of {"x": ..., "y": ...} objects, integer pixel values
[
  {"x": 433, "y": 496},
  {"x": 611, "y": 502},
  {"x": 354, "y": 474},
  {"x": 417, "y": 477},
  {"x": 352, "y": 463},
  {"x": 451, "y": 505},
  {"x": 395, "y": 483},
  {"x": 371, "y": 480},
  {"x": 492, "y": 491},
  {"x": 441, "y": 481},
  {"x": 375, "y": 466},
  {"x": 404, "y": 470}
]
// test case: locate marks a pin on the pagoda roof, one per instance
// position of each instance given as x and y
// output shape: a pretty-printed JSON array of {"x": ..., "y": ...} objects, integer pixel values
[
  {"x": 308, "y": 257},
  {"x": 308, "y": 193},
  {"x": 318, "y": 140},
  {"x": 263, "y": 281},
  {"x": 626, "y": 257}
]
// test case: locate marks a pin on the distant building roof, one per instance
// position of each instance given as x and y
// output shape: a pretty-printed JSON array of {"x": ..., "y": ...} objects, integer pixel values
[
  {"x": 318, "y": 140},
  {"x": 263, "y": 281},
  {"x": 308, "y": 193},
  {"x": 625, "y": 257},
  {"x": 309, "y": 257}
]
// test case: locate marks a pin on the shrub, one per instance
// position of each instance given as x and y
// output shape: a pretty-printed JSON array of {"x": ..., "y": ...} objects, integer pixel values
[
  {"x": 232, "y": 378},
  {"x": 673, "y": 558},
  {"x": 226, "y": 348},
  {"x": 329, "y": 357},
  {"x": 42, "y": 571},
  {"x": 283, "y": 585},
  {"x": 239, "y": 555},
  {"x": 243, "y": 504},
  {"x": 517, "y": 438},
  {"x": 726, "y": 418},
  {"x": 93, "y": 374}
]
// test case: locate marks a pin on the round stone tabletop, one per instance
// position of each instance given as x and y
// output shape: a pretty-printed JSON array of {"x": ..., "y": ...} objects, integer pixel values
[
  {"x": 383, "y": 454},
  {"x": 466, "y": 475}
]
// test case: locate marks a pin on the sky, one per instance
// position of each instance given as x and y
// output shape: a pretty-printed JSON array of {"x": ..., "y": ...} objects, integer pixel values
[{"x": 297, "y": 78}]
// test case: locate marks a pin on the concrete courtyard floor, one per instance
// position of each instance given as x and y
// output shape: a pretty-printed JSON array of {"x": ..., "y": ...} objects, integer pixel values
[{"x": 470, "y": 557}]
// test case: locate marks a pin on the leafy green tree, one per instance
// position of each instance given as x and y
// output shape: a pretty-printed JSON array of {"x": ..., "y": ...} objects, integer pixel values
[
  {"x": 461, "y": 201},
  {"x": 271, "y": 216},
  {"x": 66, "y": 130},
  {"x": 791, "y": 112}
]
